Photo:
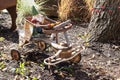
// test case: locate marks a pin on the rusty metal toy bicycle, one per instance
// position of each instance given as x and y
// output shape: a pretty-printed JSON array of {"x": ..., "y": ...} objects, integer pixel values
[{"x": 50, "y": 29}]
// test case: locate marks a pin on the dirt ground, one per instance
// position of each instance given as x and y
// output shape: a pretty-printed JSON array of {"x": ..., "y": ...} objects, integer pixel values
[{"x": 100, "y": 61}]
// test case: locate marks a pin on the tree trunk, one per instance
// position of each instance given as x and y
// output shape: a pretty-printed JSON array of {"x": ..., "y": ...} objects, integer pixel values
[{"x": 105, "y": 21}]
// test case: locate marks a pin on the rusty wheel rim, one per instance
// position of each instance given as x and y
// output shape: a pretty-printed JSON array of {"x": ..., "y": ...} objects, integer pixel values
[
  {"x": 15, "y": 54},
  {"x": 41, "y": 45}
]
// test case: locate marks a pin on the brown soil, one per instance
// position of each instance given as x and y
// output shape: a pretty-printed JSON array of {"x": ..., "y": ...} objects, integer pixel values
[{"x": 100, "y": 61}]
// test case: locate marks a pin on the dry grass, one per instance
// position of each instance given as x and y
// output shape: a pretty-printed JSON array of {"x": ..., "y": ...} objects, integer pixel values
[
  {"x": 75, "y": 9},
  {"x": 89, "y": 3},
  {"x": 65, "y": 9}
]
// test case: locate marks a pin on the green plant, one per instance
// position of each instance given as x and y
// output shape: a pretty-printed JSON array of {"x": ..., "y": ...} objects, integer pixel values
[
  {"x": 85, "y": 39},
  {"x": 21, "y": 70},
  {"x": 42, "y": 64},
  {"x": 2, "y": 65},
  {"x": 65, "y": 68},
  {"x": 34, "y": 78},
  {"x": 2, "y": 38}
]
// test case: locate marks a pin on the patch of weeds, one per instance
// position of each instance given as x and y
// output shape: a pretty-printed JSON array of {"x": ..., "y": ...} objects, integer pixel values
[
  {"x": 42, "y": 65},
  {"x": 68, "y": 71},
  {"x": 21, "y": 70},
  {"x": 34, "y": 78},
  {"x": 85, "y": 39}
]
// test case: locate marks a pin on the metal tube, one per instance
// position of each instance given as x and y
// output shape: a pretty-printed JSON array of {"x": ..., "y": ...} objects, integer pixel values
[{"x": 66, "y": 38}]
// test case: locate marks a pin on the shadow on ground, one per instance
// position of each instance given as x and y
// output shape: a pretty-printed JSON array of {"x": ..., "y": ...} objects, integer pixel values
[
  {"x": 65, "y": 70},
  {"x": 8, "y": 34}
]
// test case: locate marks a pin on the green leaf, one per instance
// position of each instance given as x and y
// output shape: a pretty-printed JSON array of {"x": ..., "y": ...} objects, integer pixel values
[
  {"x": 2, "y": 38},
  {"x": 2, "y": 65},
  {"x": 83, "y": 37},
  {"x": 17, "y": 70},
  {"x": 34, "y": 11},
  {"x": 22, "y": 73},
  {"x": 42, "y": 65},
  {"x": 22, "y": 65},
  {"x": 86, "y": 44},
  {"x": 34, "y": 78}
]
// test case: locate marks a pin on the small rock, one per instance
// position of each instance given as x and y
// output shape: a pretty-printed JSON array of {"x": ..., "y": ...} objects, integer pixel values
[{"x": 55, "y": 71}]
